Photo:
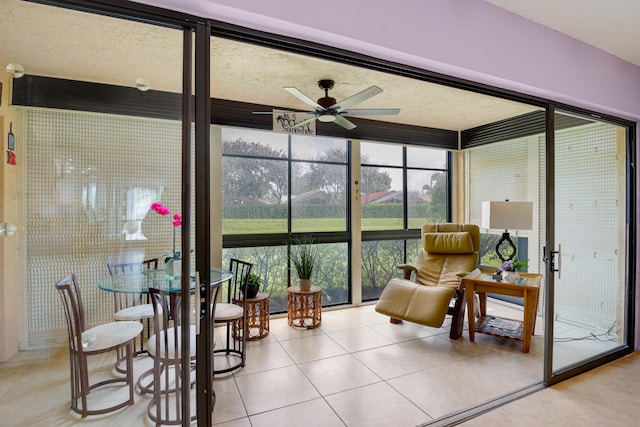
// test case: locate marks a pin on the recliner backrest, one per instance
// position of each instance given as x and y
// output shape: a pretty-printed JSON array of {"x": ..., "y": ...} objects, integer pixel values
[{"x": 447, "y": 250}]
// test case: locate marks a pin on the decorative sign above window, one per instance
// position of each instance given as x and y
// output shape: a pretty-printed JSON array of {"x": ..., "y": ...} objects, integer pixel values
[{"x": 288, "y": 122}]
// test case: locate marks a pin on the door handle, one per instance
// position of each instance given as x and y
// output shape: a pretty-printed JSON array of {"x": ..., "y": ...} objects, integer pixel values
[
  {"x": 551, "y": 259},
  {"x": 198, "y": 307}
]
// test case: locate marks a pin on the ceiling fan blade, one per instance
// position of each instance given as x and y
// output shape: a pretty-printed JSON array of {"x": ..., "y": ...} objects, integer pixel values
[
  {"x": 304, "y": 98},
  {"x": 284, "y": 111},
  {"x": 304, "y": 122},
  {"x": 344, "y": 123},
  {"x": 371, "y": 111},
  {"x": 356, "y": 99}
]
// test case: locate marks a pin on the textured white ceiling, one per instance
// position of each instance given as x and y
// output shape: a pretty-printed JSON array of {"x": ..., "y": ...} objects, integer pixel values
[
  {"x": 243, "y": 72},
  {"x": 611, "y": 25},
  {"x": 74, "y": 45}
]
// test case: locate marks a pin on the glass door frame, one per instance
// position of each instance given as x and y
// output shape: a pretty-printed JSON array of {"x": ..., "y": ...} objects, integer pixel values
[
  {"x": 205, "y": 394},
  {"x": 200, "y": 114},
  {"x": 550, "y": 377}
]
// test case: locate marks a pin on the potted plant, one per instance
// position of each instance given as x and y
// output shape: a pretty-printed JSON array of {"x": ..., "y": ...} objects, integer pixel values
[
  {"x": 253, "y": 286},
  {"x": 304, "y": 258},
  {"x": 509, "y": 270},
  {"x": 173, "y": 261}
]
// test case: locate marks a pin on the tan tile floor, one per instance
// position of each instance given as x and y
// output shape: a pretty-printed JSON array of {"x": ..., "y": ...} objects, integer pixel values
[
  {"x": 357, "y": 369},
  {"x": 606, "y": 396}
]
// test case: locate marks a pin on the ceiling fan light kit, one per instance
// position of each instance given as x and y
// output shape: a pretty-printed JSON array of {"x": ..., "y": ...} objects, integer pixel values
[
  {"x": 327, "y": 118},
  {"x": 327, "y": 110}
]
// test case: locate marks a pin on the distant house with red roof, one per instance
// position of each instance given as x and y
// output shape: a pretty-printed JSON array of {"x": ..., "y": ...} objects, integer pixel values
[{"x": 393, "y": 196}]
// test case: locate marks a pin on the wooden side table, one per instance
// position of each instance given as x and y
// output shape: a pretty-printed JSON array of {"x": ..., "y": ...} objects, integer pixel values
[
  {"x": 304, "y": 307},
  {"x": 257, "y": 318},
  {"x": 480, "y": 281}
]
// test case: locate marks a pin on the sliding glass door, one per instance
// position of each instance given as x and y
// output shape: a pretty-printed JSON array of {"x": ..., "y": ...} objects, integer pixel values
[{"x": 587, "y": 263}]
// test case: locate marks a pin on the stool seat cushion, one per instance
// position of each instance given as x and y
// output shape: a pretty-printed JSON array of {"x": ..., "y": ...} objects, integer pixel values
[
  {"x": 109, "y": 335},
  {"x": 172, "y": 353},
  {"x": 135, "y": 312},
  {"x": 226, "y": 312}
]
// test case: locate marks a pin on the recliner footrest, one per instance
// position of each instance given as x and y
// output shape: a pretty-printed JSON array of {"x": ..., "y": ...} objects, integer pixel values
[{"x": 425, "y": 305}]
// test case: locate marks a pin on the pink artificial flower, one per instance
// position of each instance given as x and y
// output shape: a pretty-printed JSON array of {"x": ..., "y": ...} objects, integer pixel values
[
  {"x": 176, "y": 221},
  {"x": 160, "y": 209}
]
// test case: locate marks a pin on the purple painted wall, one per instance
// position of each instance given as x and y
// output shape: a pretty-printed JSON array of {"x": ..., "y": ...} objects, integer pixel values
[{"x": 470, "y": 39}]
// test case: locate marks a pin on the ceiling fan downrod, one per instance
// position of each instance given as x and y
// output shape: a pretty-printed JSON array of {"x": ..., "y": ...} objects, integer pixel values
[{"x": 327, "y": 101}]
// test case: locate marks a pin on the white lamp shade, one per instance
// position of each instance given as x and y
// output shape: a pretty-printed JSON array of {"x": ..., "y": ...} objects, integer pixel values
[{"x": 507, "y": 215}]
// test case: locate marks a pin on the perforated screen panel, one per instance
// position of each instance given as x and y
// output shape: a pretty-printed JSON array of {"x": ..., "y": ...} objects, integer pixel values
[
  {"x": 497, "y": 172},
  {"x": 90, "y": 181},
  {"x": 589, "y": 230},
  {"x": 590, "y": 197}
]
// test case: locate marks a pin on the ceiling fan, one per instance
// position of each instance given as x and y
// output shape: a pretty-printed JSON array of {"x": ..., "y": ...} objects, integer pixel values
[{"x": 328, "y": 110}]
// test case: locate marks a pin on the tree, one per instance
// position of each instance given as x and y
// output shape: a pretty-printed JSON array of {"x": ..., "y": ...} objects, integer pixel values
[
  {"x": 438, "y": 206},
  {"x": 279, "y": 183},
  {"x": 379, "y": 259},
  {"x": 257, "y": 177},
  {"x": 372, "y": 180},
  {"x": 330, "y": 178}
]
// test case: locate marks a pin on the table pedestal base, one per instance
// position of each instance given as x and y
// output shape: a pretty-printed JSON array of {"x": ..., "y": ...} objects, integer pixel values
[
  {"x": 257, "y": 318},
  {"x": 304, "y": 308}
]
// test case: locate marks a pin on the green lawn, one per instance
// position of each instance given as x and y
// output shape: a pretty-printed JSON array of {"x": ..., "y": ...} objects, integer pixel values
[
  {"x": 302, "y": 225},
  {"x": 254, "y": 226}
]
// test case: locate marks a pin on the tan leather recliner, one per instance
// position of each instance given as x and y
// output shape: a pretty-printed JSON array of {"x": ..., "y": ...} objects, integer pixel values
[{"x": 449, "y": 251}]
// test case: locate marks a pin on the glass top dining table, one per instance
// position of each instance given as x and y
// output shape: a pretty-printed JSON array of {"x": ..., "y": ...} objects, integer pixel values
[{"x": 140, "y": 282}]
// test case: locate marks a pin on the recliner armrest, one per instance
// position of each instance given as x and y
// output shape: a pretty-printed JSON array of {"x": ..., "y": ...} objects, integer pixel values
[{"x": 408, "y": 269}]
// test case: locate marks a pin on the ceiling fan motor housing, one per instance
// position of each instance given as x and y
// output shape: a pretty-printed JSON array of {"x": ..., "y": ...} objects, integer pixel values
[
  {"x": 327, "y": 101},
  {"x": 326, "y": 85}
]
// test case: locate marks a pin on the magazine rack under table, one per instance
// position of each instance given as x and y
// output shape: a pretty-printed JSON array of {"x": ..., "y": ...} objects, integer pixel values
[{"x": 482, "y": 282}]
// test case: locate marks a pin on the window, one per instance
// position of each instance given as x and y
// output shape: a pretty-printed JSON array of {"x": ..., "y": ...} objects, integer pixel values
[
  {"x": 401, "y": 189},
  {"x": 255, "y": 185},
  {"x": 319, "y": 184},
  {"x": 276, "y": 187},
  {"x": 382, "y": 186}
]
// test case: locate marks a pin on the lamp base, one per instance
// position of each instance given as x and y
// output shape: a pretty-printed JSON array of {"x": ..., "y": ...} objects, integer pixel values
[{"x": 505, "y": 249}]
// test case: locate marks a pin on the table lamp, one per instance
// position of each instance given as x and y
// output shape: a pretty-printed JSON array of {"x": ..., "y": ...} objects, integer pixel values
[{"x": 507, "y": 216}]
